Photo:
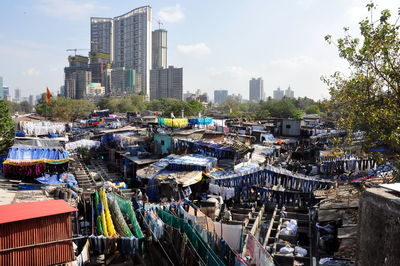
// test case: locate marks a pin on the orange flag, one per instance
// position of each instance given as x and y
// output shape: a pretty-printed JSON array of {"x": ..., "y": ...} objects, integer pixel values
[{"x": 48, "y": 96}]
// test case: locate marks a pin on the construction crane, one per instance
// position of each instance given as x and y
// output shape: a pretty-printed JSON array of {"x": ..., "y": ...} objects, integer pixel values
[
  {"x": 75, "y": 49},
  {"x": 159, "y": 22}
]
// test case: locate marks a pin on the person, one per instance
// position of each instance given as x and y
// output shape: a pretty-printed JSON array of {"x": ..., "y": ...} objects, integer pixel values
[{"x": 227, "y": 215}]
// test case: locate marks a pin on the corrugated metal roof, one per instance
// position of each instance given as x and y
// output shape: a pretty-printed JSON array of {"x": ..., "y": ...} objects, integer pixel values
[{"x": 29, "y": 210}]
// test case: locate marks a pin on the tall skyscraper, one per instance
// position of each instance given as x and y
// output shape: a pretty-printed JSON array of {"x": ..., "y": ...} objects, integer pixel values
[
  {"x": 1, "y": 86},
  {"x": 31, "y": 99},
  {"x": 278, "y": 94},
  {"x": 128, "y": 39},
  {"x": 17, "y": 95},
  {"x": 256, "y": 90},
  {"x": 289, "y": 93},
  {"x": 101, "y": 35},
  {"x": 220, "y": 96},
  {"x": 159, "y": 49},
  {"x": 6, "y": 93},
  {"x": 166, "y": 83}
]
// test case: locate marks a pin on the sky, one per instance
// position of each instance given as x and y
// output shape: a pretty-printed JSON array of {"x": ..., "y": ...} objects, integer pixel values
[{"x": 220, "y": 44}]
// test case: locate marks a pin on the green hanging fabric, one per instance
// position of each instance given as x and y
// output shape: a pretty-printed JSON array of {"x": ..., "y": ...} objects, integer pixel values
[{"x": 127, "y": 210}]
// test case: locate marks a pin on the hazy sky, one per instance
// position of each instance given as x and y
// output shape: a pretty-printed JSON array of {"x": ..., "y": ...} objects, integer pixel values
[{"x": 220, "y": 44}]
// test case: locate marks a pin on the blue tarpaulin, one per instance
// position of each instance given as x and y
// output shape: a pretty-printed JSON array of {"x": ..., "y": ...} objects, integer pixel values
[{"x": 21, "y": 154}]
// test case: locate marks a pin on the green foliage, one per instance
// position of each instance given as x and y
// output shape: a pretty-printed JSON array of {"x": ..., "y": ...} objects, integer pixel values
[
  {"x": 21, "y": 108},
  {"x": 175, "y": 106},
  {"x": 6, "y": 126},
  {"x": 312, "y": 109},
  {"x": 65, "y": 109},
  {"x": 131, "y": 103},
  {"x": 369, "y": 98}
]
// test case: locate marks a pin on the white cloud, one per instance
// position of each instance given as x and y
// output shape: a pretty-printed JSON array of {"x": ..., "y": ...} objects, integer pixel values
[
  {"x": 31, "y": 72},
  {"x": 171, "y": 14},
  {"x": 197, "y": 49},
  {"x": 68, "y": 9},
  {"x": 293, "y": 62}
]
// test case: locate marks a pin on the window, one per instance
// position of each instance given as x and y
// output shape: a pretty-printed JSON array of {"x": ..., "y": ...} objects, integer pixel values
[
  {"x": 162, "y": 142},
  {"x": 287, "y": 126}
]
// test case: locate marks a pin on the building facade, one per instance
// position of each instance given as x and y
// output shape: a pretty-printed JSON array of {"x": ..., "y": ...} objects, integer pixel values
[
  {"x": 159, "y": 49},
  {"x": 101, "y": 35},
  {"x": 289, "y": 93},
  {"x": 166, "y": 83},
  {"x": 127, "y": 38},
  {"x": 278, "y": 94},
  {"x": 6, "y": 93},
  {"x": 17, "y": 96},
  {"x": 256, "y": 90},
  {"x": 124, "y": 81},
  {"x": 132, "y": 43},
  {"x": 220, "y": 96},
  {"x": 77, "y": 77}
]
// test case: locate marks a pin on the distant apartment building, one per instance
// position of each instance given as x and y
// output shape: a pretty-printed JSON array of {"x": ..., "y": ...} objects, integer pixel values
[
  {"x": 159, "y": 49},
  {"x": 17, "y": 95},
  {"x": 198, "y": 96},
  {"x": 99, "y": 63},
  {"x": 95, "y": 90},
  {"x": 31, "y": 99},
  {"x": 256, "y": 90},
  {"x": 77, "y": 77},
  {"x": 6, "y": 93},
  {"x": 220, "y": 96},
  {"x": 127, "y": 38},
  {"x": 166, "y": 83},
  {"x": 124, "y": 81},
  {"x": 289, "y": 93},
  {"x": 278, "y": 94},
  {"x": 1, "y": 86}
]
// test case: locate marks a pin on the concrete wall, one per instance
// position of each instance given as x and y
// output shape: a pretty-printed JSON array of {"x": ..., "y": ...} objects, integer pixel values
[{"x": 379, "y": 228}]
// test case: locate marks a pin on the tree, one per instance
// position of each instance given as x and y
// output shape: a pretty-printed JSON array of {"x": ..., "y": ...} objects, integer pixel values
[
  {"x": 6, "y": 126},
  {"x": 368, "y": 100},
  {"x": 312, "y": 109},
  {"x": 65, "y": 109}
]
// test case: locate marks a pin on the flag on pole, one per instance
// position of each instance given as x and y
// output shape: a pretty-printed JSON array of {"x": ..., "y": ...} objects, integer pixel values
[{"x": 48, "y": 96}]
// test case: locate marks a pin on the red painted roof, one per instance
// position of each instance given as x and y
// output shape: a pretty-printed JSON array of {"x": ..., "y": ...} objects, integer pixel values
[{"x": 29, "y": 210}]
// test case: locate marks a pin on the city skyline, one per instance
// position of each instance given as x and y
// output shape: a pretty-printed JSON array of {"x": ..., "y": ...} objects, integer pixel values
[{"x": 208, "y": 49}]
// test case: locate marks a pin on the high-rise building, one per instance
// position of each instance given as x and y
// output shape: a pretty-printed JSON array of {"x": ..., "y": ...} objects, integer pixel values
[
  {"x": 31, "y": 99},
  {"x": 17, "y": 96},
  {"x": 220, "y": 96},
  {"x": 166, "y": 83},
  {"x": 256, "y": 90},
  {"x": 278, "y": 94},
  {"x": 6, "y": 93},
  {"x": 289, "y": 93},
  {"x": 124, "y": 81},
  {"x": 159, "y": 49},
  {"x": 128, "y": 39},
  {"x": 77, "y": 77},
  {"x": 1, "y": 86},
  {"x": 101, "y": 35},
  {"x": 99, "y": 63}
]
